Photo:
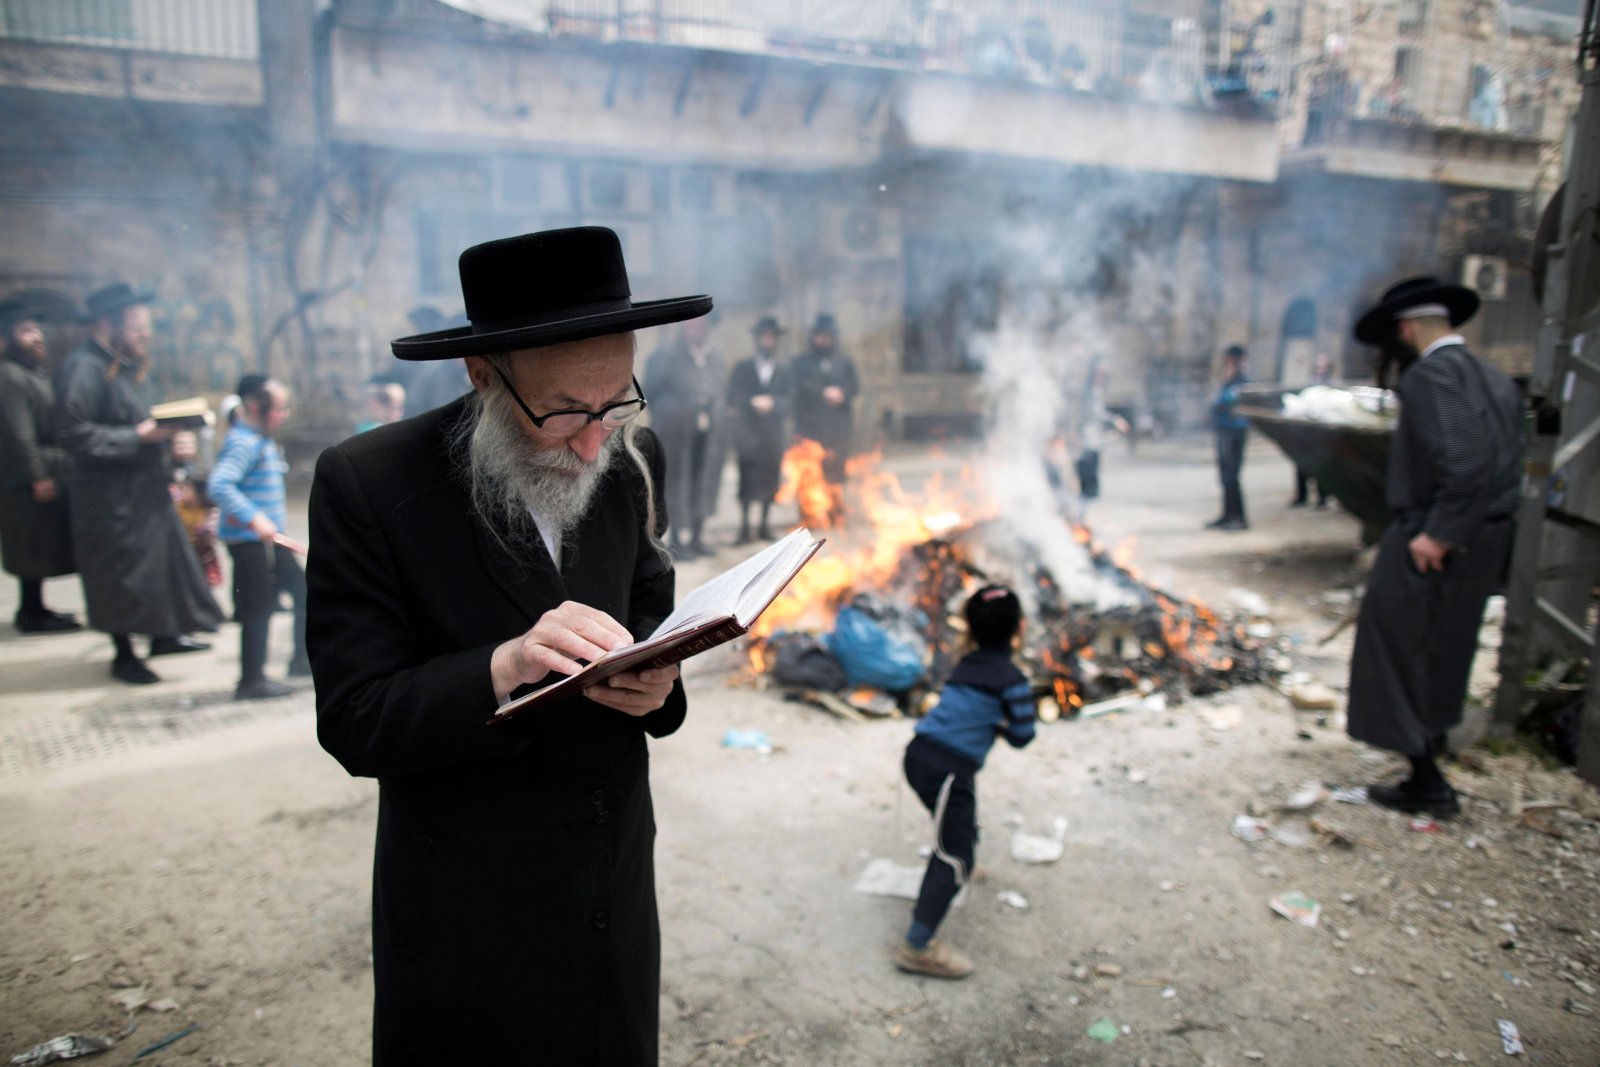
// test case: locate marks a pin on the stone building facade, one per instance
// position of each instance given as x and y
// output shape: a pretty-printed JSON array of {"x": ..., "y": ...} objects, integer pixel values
[{"x": 1146, "y": 181}]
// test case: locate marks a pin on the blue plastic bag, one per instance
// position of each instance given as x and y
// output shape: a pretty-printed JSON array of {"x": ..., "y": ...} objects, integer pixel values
[{"x": 873, "y": 655}]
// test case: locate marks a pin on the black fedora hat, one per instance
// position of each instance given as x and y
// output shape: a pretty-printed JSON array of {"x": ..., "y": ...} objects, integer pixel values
[
  {"x": 1459, "y": 303},
  {"x": 825, "y": 323},
  {"x": 545, "y": 288},
  {"x": 15, "y": 311},
  {"x": 113, "y": 298},
  {"x": 766, "y": 323}
]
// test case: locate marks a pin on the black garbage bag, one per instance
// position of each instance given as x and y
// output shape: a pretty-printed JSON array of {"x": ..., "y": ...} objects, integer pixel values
[{"x": 803, "y": 660}]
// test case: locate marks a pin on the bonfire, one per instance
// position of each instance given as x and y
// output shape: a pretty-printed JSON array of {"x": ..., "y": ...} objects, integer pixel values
[{"x": 1097, "y": 636}]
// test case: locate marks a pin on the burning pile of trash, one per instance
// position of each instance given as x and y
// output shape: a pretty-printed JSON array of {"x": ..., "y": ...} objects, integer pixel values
[{"x": 874, "y": 624}]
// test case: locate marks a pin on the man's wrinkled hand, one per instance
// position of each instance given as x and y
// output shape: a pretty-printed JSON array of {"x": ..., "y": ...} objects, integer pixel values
[
  {"x": 1428, "y": 554},
  {"x": 635, "y": 693},
  {"x": 562, "y": 637}
]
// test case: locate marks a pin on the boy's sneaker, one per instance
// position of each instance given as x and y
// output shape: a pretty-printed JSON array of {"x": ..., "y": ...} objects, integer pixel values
[{"x": 938, "y": 960}]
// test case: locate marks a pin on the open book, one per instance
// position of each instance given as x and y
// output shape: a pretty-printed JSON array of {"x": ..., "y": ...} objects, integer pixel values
[
  {"x": 717, "y": 612},
  {"x": 190, "y": 414}
]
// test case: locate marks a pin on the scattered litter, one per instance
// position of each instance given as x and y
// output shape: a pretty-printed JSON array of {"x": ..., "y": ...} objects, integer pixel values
[
  {"x": 1338, "y": 836},
  {"x": 131, "y": 1000},
  {"x": 1297, "y": 907},
  {"x": 1249, "y": 603},
  {"x": 1012, "y": 898},
  {"x": 1138, "y": 777},
  {"x": 755, "y": 740},
  {"x": 1578, "y": 1009},
  {"x": 1352, "y": 795},
  {"x": 896, "y": 1030},
  {"x": 1168, "y": 993},
  {"x": 1249, "y": 828},
  {"x": 1309, "y": 795},
  {"x": 1291, "y": 836},
  {"x": 1314, "y": 696},
  {"x": 1425, "y": 826},
  {"x": 1541, "y": 817},
  {"x": 170, "y": 1039},
  {"x": 1104, "y": 1030},
  {"x": 1108, "y": 970},
  {"x": 1254, "y": 1054},
  {"x": 1034, "y": 848},
  {"x": 1261, "y": 631},
  {"x": 65, "y": 1047},
  {"x": 1134, "y": 701},
  {"x": 163, "y": 1005},
  {"x": 885, "y": 878},
  {"x": 1222, "y": 719},
  {"x": 1510, "y": 1037}
]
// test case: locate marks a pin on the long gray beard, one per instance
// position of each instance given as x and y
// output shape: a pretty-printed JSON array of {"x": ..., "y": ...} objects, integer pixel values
[{"x": 507, "y": 475}]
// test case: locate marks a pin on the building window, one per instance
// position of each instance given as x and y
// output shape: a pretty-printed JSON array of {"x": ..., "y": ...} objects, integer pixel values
[
  {"x": 950, "y": 297},
  {"x": 608, "y": 188},
  {"x": 519, "y": 182},
  {"x": 696, "y": 193},
  {"x": 1413, "y": 17}
]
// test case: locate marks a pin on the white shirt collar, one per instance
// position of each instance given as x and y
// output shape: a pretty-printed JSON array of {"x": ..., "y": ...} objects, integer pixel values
[
  {"x": 1447, "y": 339},
  {"x": 547, "y": 532}
]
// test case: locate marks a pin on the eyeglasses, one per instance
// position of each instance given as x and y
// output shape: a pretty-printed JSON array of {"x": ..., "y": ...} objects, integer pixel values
[{"x": 572, "y": 421}]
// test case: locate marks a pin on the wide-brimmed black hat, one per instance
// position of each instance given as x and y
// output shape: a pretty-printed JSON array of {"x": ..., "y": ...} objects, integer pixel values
[
  {"x": 765, "y": 323},
  {"x": 825, "y": 324},
  {"x": 545, "y": 288},
  {"x": 114, "y": 298},
  {"x": 1459, "y": 302},
  {"x": 15, "y": 311}
]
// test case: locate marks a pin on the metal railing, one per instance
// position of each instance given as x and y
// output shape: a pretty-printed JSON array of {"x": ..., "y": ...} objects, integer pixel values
[
  {"x": 1095, "y": 46},
  {"x": 219, "y": 28}
]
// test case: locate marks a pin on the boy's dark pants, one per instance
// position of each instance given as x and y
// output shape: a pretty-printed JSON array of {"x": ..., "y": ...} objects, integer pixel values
[
  {"x": 258, "y": 575},
  {"x": 939, "y": 776}
]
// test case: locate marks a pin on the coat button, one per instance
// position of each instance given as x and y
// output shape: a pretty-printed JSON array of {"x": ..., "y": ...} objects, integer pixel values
[
  {"x": 598, "y": 798},
  {"x": 600, "y": 920},
  {"x": 602, "y": 818}
]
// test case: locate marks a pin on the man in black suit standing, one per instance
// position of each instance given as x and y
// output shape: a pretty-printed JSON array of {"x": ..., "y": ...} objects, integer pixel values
[
  {"x": 758, "y": 406},
  {"x": 825, "y": 386},
  {"x": 457, "y": 558},
  {"x": 1455, "y": 466}
]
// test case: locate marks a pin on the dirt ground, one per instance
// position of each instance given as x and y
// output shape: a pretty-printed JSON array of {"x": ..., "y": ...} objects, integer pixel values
[{"x": 210, "y": 855}]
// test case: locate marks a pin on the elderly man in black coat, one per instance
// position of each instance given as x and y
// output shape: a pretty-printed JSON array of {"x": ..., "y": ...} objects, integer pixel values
[
  {"x": 140, "y": 575},
  {"x": 1454, "y": 468},
  {"x": 35, "y": 538},
  {"x": 458, "y": 558}
]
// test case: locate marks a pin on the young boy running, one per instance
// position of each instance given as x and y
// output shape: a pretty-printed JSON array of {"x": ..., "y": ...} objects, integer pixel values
[{"x": 985, "y": 696}]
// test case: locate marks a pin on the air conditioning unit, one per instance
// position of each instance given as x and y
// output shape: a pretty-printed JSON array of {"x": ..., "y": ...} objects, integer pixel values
[
  {"x": 1486, "y": 274},
  {"x": 863, "y": 232}
]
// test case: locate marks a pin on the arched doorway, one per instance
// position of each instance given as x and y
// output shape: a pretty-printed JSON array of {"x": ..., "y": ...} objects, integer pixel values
[{"x": 1297, "y": 344}]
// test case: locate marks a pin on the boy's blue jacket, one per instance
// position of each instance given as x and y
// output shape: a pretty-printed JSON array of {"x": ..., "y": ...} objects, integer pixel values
[{"x": 985, "y": 695}]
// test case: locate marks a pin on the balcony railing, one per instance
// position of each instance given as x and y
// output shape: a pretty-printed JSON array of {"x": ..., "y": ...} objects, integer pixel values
[
  {"x": 218, "y": 28},
  {"x": 1090, "y": 46}
]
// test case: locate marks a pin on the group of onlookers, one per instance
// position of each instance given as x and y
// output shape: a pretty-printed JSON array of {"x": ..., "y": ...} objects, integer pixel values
[
  {"x": 94, "y": 485},
  {"x": 699, "y": 409}
]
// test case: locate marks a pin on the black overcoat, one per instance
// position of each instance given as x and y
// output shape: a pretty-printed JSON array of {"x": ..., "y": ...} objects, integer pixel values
[
  {"x": 759, "y": 439},
  {"x": 1454, "y": 469},
  {"x": 814, "y": 417},
  {"x": 35, "y": 538},
  {"x": 514, "y": 913},
  {"x": 680, "y": 394},
  {"x": 139, "y": 571}
]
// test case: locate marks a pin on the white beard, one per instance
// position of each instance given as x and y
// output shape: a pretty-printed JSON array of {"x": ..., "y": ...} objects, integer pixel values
[{"x": 507, "y": 474}]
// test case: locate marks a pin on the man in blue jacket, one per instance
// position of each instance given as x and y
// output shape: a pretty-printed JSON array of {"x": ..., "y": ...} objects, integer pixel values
[{"x": 1231, "y": 430}]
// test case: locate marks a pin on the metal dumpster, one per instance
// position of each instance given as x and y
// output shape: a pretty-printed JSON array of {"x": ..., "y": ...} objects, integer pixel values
[{"x": 1348, "y": 462}]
